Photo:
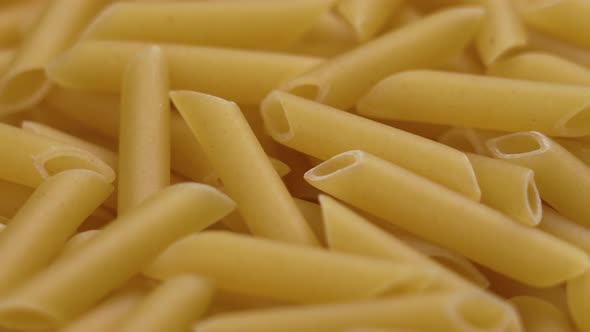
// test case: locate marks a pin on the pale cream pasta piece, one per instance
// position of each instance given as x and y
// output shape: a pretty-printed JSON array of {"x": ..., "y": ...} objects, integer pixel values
[
  {"x": 76, "y": 242},
  {"x": 12, "y": 197},
  {"x": 562, "y": 179},
  {"x": 28, "y": 158},
  {"x": 244, "y": 76},
  {"x": 144, "y": 129},
  {"x": 468, "y": 139},
  {"x": 244, "y": 168},
  {"x": 565, "y": 229},
  {"x": 342, "y": 80},
  {"x": 564, "y": 19},
  {"x": 107, "y": 261},
  {"x": 322, "y": 132},
  {"x": 578, "y": 148},
  {"x": 39, "y": 229},
  {"x": 275, "y": 270},
  {"x": 502, "y": 32},
  {"x": 508, "y": 188},
  {"x": 544, "y": 43},
  {"x": 368, "y": 17},
  {"x": 256, "y": 24},
  {"x": 25, "y": 83},
  {"x": 480, "y": 102},
  {"x": 540, "y": 316},
  {"x": 541, "y": 66},
  {"x": 578, "y": 295},
  {"x": 173, "y": 306},
  {"x": 439, "y": 215},
  {"x": 456, "y": 312},
  {"x": 329, "y": 36}
]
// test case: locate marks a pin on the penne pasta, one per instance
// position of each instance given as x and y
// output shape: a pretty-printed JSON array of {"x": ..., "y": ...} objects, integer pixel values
[
  {"x": 341, "y": 81},
  {"x": 508, "y": 188},
  {"x": 540, "y": 66},
  {"x": 502, "y": 32},
  {"x": 299, "y": 124},
  {"x": 564, "y": 19},
  {"x": 578, "y": 292},
  {"x": 579, "y": 149},
  {"x": 468, "y": 139},
  {"x": 329, "y": 36},
  {"x": 562, "y": 179},
  {"x": 25, "y": 83},
  {"x": 274, "y": 270},
  {"x": 352, "y": 177},
  {"x": 12, "y": 197},
  {"x": 540, "y": 316},
  {"x": 455, "y": 312},
  {"x": 42, "y": 225},
  {"x": 28, "y": 159},
  {"x": 144, "y": 130},
  {"x": 485, "y": 103},
  {"x": 76, "y": 242},
  {"x": 544, "y": 43},
  {"x": 367, "y": 17},
  {"x": 173, "y": 306},
  {"x": 121, "y": 250},
  {"x": 258, "y": 24},
  {"x": 565, "y": 229},
  {"x": 243, "y": 76},
  {"x": 228, "y": 140}
]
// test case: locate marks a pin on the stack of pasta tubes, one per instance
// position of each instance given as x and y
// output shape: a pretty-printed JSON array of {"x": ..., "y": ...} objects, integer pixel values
[{"x": 294, "y": 165}]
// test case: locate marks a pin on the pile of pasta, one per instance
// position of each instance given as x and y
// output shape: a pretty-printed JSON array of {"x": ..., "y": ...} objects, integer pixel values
[{"x": 295, "y": 165}]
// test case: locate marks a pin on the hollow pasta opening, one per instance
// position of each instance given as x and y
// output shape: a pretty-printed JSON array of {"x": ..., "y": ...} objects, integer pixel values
[
  {"x": 518, "y": 144},
  {"x": 55, "y": 161},
  {"x": 534, "y": 206},
  {"x": 275, "y": 118},
  {"x": 336, "y": 164},
  {"x": 309, "y": 91},
  {"x": 578, "y": 124},
  {"x": 478, "y": 313}
]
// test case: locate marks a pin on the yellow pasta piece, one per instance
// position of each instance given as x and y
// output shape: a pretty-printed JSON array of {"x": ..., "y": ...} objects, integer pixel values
[
  {"x": 468, "y": 139},
  {"x": 228, "y": 141},
  {"x": 565, "y": 229},
  {"x": 502, "y": 32},
  {"x": 12, "y": 197},
  {"x": 466, "y": 62},
  {"x": 272, "y": 269},
  {"x": 540, "y": 316},
  {"x": 110, "y": 312},
  {"x": 27, "y": 158},
  {"x": 25, "y": 83},
  {"x": 300, "y": 124},
  {"x": 6, "y": 57},
  {"x": 367, "y": 17},
  {"x": 579, "y": 149},
  {"x": 76, "y": 242},
  {"x": 542, "y": 42},
  {"x": 328, "y": 37},
  {"x": 578, "y": 295},
  {"x": 39, "y": 229},
  {"x": 341, "y": 81},
  {"x": 239, "y": 24},
  {"x": 508, "y": 188},
  {"x": 486, "y": 102},
  {"x": 15, "y": 17},
  {"x": 472, "y": 230},
  {"x": 563, "y": 180},
  {"x": 243, "y": 76},
  {"x": 456, "y": 312},
  {"x": 144, "y": 131},
  {"x": 120, "y": 251},
  {"x": 172, "y": 306},
  {"x": 564, "y": 19},
  {"x": 539, "y": 66}
]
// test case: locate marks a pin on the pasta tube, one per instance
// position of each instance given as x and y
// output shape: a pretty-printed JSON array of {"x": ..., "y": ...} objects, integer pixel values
[
  {"x": 578, "y": 293},
  {"x": 274, "y": 270},
  {"x": 341, "y": 81},
  {"x": 468, "y": 139},
  {"x": 243, "y": 76},
  {"x": 12, "y": 197},
  {"x": 508, "y": 188},
  {"x": 120, "y": 251},
  {"x": 27, "y": 158},
  {"x": 455, "y": 312},
  {"x": 542, "y": 42},
  {"x": 472, "y": 230},
  {"x": 565, "y": 229},
  {"x": 539, "y": 66},
  {"x": 144, "y": 130},
  {"x": 540, "y": 316},
  {"x": 228, "y": 140},
  {"x": 486, "y": 102},
  {"x": 25, "y": 83},
  {"x": 238, "y": 24},
  {"x": 579, "y": 149},
  {"x": 367, "y": 17},
  {"x": 501, "y": 33},
  {"x": 563, "y": 180},
  {"x": 564, "y": 19},
  {"x": 328, "y": 37},
  {"x": 173, "y": 306},
  {"x": 48, "y": 218},
  {"x": 300, "y": 124}
]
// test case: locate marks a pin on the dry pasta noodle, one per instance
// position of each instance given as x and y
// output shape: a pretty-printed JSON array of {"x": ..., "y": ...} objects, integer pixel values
[
  {"x": 299, "y": 124},
  {"x": 540, "y": 316},
  {"x": 15, "y": 18},
  {"x": 367, "y": 17},
  {"x": 123, "y": 248},
  {"x": 329, "y": 36},
  {"x": 341, "y": 81},
  {"x": 12, "y": 197},
  {"x": 565, "y": 229},
  {"x": 468, "y": 139},
  {"x": 562, "y": 178},
  {"x": 228, "y": 140},
  {"x": 578, "y": 292},
  {"x": 579, "y": 149},
  {"x": 542, "y": 42},
  {"x": 243, "y": 76},
  {"x": 240, "y": 260},
  {"x": 255, "y": 24},
  {"x": 350, "y": 177}
]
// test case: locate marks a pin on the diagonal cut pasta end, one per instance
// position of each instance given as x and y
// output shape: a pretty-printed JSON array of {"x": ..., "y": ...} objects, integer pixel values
[
  {"x": 308, "y": 88},
  {"x": 60, "y": 159},
  {"x": 275, "y": 117},
  {"x": 20, "y": 89},
  {"x": 576, "y": 123},
  {"x": 335, "y": 165},
  {"x": 518, "y": 145},
  {"x": 475, "y": 312},
  {"x": 534, "y": 209}
]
